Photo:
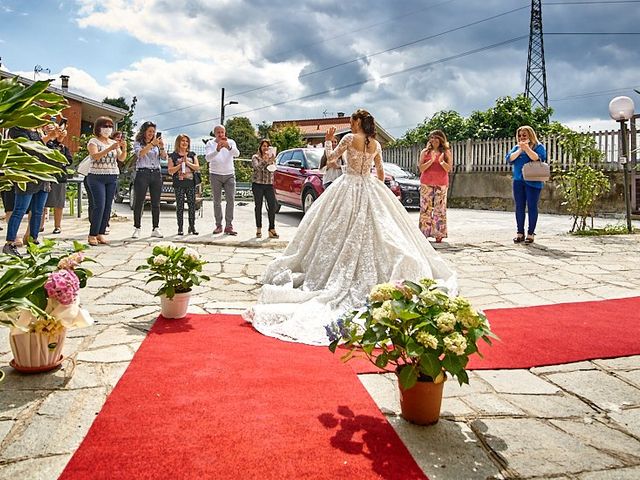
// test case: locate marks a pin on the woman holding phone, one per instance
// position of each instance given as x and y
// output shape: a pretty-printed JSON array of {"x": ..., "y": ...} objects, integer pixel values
[
  {"x": 103, "y": 176},
  {"x": 182, "y": 164},
  {"x": 148, "y": 149},
  {"x": 264, "y": 164}
]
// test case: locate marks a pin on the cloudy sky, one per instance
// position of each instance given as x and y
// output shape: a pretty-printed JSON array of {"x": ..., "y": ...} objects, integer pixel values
[{"x": 321, "y": 57}]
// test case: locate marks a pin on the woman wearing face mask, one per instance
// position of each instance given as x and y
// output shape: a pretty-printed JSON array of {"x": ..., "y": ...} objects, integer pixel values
[{"x": 103, "y": 176}]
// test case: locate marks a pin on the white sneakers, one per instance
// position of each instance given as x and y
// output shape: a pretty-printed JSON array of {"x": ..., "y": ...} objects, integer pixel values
[{"x": 154, "y": 233}]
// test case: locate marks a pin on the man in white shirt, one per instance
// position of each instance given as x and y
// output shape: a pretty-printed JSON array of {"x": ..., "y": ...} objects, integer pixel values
[{"x": 219, "y": 152}]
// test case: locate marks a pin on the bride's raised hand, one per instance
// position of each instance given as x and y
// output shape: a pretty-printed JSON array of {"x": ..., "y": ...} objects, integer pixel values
[{"x": 331, "y": 134}]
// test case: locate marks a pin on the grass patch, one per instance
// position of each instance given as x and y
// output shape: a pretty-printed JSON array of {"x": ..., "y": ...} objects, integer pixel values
[{"x": 619, "y": 229}]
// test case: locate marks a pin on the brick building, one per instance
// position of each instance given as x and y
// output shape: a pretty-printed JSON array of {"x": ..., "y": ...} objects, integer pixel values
[{"x": 81, "y": 112}]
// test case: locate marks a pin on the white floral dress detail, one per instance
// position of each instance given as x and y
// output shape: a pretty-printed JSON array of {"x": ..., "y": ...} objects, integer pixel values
[{"x": 356, "y": 235}]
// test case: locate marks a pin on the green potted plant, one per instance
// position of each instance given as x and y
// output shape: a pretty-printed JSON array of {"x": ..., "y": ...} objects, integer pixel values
[
  {"x": 179, "y": 269},
  {"x": 418, "y": 332},
  {"x": 39, "y": 302}
]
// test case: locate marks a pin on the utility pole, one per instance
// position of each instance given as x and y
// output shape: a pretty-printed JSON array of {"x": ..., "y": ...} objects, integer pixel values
[
  {"x": 223, "y": 105},
  {"x": 536, "y": 83},
  {"x": 222, "y": 108}
]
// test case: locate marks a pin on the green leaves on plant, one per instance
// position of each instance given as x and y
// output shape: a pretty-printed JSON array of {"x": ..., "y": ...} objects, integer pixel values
[{"x": 18, "y": 108}]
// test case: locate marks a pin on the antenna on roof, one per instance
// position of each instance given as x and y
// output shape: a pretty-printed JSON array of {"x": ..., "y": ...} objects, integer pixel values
[
  {"x": 39, "y": 68},
  {"x": 326, "y": 114}
]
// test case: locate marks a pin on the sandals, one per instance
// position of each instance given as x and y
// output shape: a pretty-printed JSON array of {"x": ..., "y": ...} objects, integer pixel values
[
  {"x": 273, "y": 234},
  {"x": 93, "y": 241},
  {"x": 259, "y": 233},
  {"x": 529, "y": 239},
  {"x": 519, "y": 238}
]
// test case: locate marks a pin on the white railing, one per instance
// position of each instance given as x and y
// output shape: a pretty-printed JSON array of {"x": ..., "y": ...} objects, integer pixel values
[{"x": 489, "y": 155}]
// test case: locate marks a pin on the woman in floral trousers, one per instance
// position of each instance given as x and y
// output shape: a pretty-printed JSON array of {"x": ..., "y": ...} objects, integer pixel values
[{"x": 435, "y": 164}]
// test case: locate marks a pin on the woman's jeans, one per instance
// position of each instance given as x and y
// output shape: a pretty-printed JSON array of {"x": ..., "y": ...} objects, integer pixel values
[
  {"x": 526, "y": 197},
  {"x": 23, "y": 200},
  {"x": 150, "y": 179},
  {"x": 102, "y": 189},
  {"x": 265, "y": 190}
]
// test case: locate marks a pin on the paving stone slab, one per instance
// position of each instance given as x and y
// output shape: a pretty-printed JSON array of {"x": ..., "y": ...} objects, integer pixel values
[
  {"x": 127, "y": 296},
  {"x": 491, "y": 404},
  {"x": 534, "y": 448},
  {"x": 447, "y": 450},
  {"x": 631, "y": 473},
  {"x": 629, "y": 420},
  {"x": 567, "y": 367},
  {"x": 604, "y": 390},
  {"x": 551, "y": 406},
  {"x": 67, "y": 413},
  {"x": 16, "y": 403},
  {"x": 516, "y": 381},
  {"x": 44, "y": 468},
  {"x": 117, "y": 334},
  {"x": 5, "y": 428},
  {"x": 93, "y": 375},
  {"x": 114, "y": 354},
  {"x": 621, "y": 363},
  {"x": 51, "y": 380},
  {"x": 632, "y": 377},
  {"x": 602, "y": 437}
]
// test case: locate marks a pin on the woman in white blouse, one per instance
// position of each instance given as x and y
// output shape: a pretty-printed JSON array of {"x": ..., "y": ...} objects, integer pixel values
[{"x": 103, "y": 176}]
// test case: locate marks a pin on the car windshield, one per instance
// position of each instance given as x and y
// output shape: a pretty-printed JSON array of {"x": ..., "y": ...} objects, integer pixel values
[
  {"x": 313, "y": 157},
  {"x": 397, "y": 172}
]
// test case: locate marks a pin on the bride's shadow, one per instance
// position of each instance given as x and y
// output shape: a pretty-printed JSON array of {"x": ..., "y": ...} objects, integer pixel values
[{"x": 364, "y": 435}]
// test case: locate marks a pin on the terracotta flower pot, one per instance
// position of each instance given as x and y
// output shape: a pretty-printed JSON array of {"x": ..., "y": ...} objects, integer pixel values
[
  {"x": 175, "y": 307},
  {"x": 421, "y": 403},
  {"x": 36, "y": 352}
]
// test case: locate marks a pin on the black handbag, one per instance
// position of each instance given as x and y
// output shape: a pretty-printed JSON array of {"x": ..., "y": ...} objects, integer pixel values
[{"x": 197, "y": 178}]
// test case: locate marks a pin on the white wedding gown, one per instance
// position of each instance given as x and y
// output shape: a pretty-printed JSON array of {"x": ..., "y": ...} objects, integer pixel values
[{"x": 356, "y": 235}]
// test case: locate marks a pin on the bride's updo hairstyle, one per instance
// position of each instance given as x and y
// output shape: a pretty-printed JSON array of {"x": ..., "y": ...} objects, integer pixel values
[{"x": 367, "y": 123}]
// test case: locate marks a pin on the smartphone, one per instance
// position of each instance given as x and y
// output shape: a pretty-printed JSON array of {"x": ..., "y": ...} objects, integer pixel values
[
  {"x": 272, "y": 151},
  {"x": 158, "y": 134},
  {"x": 63, "y": 122}
]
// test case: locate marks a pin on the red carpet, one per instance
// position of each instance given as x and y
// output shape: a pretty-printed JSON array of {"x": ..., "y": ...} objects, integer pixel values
[
  {"x": 208, "y": 397},
  {"x": 555, "y": 334}
]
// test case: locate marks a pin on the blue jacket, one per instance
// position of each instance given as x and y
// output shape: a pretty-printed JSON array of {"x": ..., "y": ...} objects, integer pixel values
[{"x": 523, "y": 158}]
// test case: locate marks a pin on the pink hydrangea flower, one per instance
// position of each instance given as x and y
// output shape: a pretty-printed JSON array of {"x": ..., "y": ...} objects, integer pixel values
[{"x": 63, "y": 286}]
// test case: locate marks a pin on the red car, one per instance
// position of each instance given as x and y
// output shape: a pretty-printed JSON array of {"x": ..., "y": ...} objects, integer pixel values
[{"x": 298, "y": 181}]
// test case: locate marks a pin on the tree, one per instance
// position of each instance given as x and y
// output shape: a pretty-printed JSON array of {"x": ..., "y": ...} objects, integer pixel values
[
  {"x": 264, "y": 130},
  {"x": 241, "y": 131},
  {"x": 499, "y": 121},
  {"x": 27, "y": 107},
  {"x": 127, "y": 124},
  {"x": 581, "y": 184},
  {"x": 287, "y": 136}
]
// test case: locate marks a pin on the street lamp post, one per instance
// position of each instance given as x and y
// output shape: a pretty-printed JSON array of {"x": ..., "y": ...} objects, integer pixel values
[
  {"x": 621, "y": 110},
  {"x": 223, "y": 105}
]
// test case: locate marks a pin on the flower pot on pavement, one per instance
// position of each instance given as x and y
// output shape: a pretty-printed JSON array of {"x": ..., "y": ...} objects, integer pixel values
[
  {"x": 36, "y": 352},
  {"x": 421, "y": 403},
  {"x": 175, "y": 307}
]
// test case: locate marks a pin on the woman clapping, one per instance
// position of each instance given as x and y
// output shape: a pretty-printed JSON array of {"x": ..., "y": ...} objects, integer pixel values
[
  {"x": 262, "y": 185},
  {"x": 182, "y": 164}
]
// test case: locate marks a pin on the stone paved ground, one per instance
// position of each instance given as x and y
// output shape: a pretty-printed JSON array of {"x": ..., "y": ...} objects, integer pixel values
[{"x": 576, "y": 421}]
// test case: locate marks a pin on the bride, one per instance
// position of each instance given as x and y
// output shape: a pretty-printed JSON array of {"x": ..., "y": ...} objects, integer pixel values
[{"x": 356, "y": 235}]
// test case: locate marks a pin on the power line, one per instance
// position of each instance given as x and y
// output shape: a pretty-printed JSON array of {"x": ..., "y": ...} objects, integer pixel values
[
  {"x": 357, "y": 59},
  {"x": 367, "y": 27},
  {"x": 597, "y": 93},
  {"x": 605, "y": 2},
  {"x": 361, "y": 82}
]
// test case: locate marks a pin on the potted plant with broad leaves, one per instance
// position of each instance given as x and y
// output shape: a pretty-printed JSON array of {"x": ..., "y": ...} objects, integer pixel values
[
  {"x": 39, "y": 302},
  {"x": 421, "y": 332},
  {"x": 179, "y": 269}
]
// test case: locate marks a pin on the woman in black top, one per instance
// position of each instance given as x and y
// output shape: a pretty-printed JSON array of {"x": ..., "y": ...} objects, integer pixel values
[{"x": 182, "y": 165}]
